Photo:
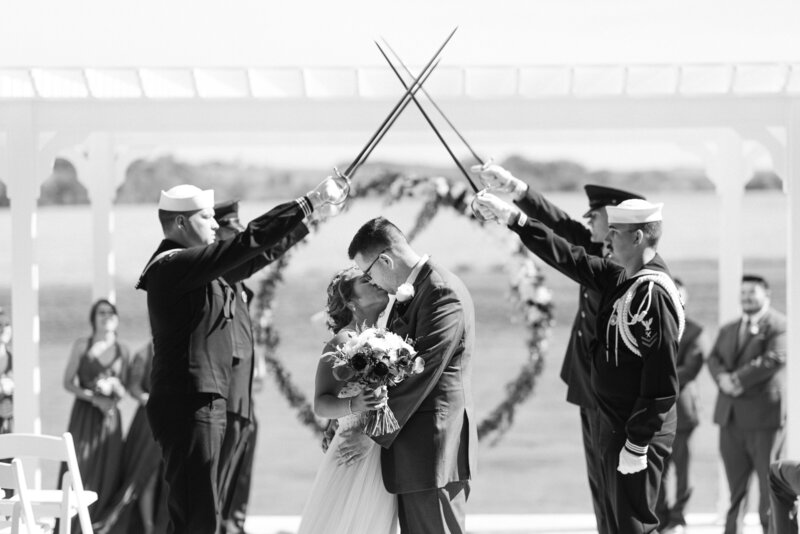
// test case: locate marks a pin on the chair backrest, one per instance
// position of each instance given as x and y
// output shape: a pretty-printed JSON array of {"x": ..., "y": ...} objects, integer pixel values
[
  {"x": 62, "y": 449},
  {"x": 12, "y": 477}
]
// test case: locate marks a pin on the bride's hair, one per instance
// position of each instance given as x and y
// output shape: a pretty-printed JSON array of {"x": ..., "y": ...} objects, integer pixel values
[{"x": 340, "y": 291}]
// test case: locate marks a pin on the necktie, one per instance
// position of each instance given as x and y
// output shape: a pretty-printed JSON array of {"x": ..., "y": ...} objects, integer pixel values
[{"x": 744, "y": 331}]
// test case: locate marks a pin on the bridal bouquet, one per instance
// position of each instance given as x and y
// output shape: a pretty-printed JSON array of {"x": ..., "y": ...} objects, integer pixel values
[{"x": 376, "y": 358}]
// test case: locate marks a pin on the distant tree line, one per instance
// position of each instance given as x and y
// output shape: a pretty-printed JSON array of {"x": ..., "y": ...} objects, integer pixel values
[{"x": 146, "y": 178}]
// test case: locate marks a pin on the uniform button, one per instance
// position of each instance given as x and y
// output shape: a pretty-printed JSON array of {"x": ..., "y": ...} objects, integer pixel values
[
  {"x": 580, "y": 334},
  {"x": 583, "y": 314},
  {"x": 586, "y": 294}
]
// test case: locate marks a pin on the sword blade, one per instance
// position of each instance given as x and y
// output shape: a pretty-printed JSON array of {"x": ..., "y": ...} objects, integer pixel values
[
  {"x": 435, "y": 105},
  {"x": 395, "y": 112},
  {"x": 429, "y": 121}
]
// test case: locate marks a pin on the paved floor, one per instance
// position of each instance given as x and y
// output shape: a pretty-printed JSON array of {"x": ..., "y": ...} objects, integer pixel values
[{"x": 516, "y": 524}]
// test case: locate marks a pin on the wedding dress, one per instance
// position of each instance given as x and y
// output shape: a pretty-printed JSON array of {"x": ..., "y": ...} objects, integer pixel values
[{"x": 349, "y": 499}]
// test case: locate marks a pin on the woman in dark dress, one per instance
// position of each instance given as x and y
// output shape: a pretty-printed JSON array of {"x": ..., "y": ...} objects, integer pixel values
[
  {"x": 6, "y": 376},
  {"x": 95, "y": 372},
  {"x": 140, "y": 504}
]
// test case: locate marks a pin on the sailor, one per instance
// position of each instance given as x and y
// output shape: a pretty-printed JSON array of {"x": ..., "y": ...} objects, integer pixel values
[
  {"x": 639, "y": 324},
  {"x": 191, "y": 309}
]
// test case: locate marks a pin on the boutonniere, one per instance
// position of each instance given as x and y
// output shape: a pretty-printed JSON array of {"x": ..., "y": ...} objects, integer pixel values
[
  {"x": 754, "y": 330},
  {"x": 404, "y": 293}
]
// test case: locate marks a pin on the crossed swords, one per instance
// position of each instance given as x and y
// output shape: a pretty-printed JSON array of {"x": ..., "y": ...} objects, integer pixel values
[{"x": 393, "y": 115}]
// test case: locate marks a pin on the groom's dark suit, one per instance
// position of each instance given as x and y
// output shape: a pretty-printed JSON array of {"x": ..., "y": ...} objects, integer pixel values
[{"x": 429, "y": 461}]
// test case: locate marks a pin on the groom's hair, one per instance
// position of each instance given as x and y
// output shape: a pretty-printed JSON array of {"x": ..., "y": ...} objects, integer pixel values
[{"x": 375, "y": 235}]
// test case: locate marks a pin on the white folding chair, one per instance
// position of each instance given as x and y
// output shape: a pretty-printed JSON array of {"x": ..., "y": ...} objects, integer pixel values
[
  {"x": 63, "y": 503},
  {"x": 17, "y": 506}
]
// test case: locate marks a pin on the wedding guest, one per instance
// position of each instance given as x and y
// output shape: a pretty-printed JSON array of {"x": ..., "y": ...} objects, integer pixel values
[
  {"x": 577, "y": 365},
  {"x": 140, "y": 504},
  {"x": 94, "y": 374},
  {"x": 236, "y": 455},
  {"x": 748, "y": 364},
  {"x": 191, "y": 309},
  {"x": 640, "y": 321},
  {"x": 672, "y": 519},
  {"x": 6, "y": 376}
]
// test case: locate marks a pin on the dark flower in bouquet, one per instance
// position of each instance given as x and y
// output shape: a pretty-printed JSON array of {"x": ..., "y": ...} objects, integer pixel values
[{"x": 376, "y": 358}]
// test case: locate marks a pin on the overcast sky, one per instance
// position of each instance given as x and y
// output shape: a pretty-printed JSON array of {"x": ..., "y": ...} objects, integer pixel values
[{"x": 248, "y": 33}]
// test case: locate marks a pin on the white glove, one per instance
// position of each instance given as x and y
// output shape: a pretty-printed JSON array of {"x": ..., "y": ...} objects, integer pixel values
[
  {"x": 497, "y": 178},
  {"x": 630, "y": 463},
  {"x": 330, "y": 191},
  {"x": 492, "y": 208}
]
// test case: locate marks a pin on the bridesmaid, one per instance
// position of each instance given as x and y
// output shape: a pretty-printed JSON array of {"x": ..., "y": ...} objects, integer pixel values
[
  {"x": 6, "y": 376},
  {"x": 95, "y": 374}
]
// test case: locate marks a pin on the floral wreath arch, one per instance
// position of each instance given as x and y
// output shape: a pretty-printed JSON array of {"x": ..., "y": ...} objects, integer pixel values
[{"x": 528, "y": 294}]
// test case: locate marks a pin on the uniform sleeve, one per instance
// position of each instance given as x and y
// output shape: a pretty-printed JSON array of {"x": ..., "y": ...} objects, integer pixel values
[
  {"x": 248, "y": 269},
  {"x": 194, "y": 267},
  {"x": 573, "y": 261},
  {"x": 535, "y": 205},
  {"x": 770, "y": 361},
  {"x": 657, "y": 337},
  {"x": 440, "y": 332}
]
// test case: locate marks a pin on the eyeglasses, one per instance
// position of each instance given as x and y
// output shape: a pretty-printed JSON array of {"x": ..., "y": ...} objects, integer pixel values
[{"x": 367, "y": 276}]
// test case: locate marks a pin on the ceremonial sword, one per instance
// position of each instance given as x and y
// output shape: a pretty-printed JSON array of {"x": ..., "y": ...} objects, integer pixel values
[{"x": 390, "y": 120}]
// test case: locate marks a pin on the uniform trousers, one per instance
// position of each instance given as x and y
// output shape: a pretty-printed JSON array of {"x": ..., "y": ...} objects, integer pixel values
[
  {"x": 236, "y": 465},
  {"x": 784, "y": 488},
  {"x": 589, "y": 422},
  {"x": 435, "y": 511},
  {"x": 630, "y": 500},
  {"x": 676, "y": 468},
  {"x": 744, "y": 451},
  {"x": 190, "y": 436}
]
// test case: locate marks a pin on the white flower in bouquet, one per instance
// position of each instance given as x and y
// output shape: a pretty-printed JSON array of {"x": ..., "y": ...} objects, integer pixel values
[
  {"x": 109, "y": 386},
  {"x": 542, "y": 295}
]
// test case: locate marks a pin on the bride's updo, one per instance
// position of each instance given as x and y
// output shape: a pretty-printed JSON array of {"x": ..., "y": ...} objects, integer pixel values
[{"x": 340, "y": 292}]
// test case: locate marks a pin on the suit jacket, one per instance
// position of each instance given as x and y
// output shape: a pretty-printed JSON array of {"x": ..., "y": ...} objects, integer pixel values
[
  {"x": 438, "y": 440},
  {"x": 576, "y": 370},
  {"x": 689, "y": 363},
  {"x": 759, "y": 364}
]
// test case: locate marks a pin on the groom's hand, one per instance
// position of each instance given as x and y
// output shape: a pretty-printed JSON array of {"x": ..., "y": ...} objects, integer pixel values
[{"x": 352, "y": 447}]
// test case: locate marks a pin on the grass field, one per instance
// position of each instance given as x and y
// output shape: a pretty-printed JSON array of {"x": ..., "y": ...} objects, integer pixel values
[{"x": 536, "y": 468}]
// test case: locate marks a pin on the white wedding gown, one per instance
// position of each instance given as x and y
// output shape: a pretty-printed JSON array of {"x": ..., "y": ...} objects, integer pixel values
[{"x": 349, "y": 499}]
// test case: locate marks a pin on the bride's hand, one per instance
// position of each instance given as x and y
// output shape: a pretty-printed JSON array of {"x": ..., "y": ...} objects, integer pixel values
[{"x": 368, "y": 400}]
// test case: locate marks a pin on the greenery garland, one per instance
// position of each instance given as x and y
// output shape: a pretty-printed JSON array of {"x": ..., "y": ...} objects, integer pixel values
[{"x": 530, "y": 296}]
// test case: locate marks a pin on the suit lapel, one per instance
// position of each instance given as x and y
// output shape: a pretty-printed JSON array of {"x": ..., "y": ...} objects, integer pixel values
[{"x": 399, "y": 316}]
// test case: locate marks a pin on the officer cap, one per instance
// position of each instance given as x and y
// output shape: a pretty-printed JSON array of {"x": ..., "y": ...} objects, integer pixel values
[
  {"x": 186, "y": 197},
  {"x": 634, "y": 211},
  {"x": 600, "y": 195},
  {"x": 227, "y": 214}
]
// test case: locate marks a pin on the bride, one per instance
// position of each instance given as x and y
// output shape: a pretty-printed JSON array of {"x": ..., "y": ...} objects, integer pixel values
[{"x": 348, "y": 496}]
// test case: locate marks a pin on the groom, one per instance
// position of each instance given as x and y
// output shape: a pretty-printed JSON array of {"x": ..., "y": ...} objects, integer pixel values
[{"x": 429, "y": 462}]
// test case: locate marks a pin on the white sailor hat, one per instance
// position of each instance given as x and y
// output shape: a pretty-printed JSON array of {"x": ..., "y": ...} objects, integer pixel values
[
  {"x": 634, "y": 211},
  {"x": 186, "y": 197}
]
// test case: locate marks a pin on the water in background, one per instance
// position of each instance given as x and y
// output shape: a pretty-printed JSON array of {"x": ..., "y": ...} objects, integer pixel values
[{"x": 691, "y": 231}]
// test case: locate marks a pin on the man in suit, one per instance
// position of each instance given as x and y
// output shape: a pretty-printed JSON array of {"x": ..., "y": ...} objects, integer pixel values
[
  {"x": 639, "y": 322},
  {"x": 689, "y": 361},
  {"x": 191, "y": 309},
  {"x": 430, "y": 460},
  {"x": 236, "y": 455},
  {"x": 576, "y": 368},
  {"x": 748, "y": 364}
]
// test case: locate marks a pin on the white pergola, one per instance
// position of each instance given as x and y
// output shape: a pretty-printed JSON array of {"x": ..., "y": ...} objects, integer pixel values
[{"x": 100, "y": 119}]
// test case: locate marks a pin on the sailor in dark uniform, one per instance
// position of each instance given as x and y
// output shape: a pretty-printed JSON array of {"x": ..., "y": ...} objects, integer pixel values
[
  {"x": 576, "y": 368},
  {"x": 639, "y": 323},
  {"x": 191, "y": 308},
  {"x": 235, "y": 464}
]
